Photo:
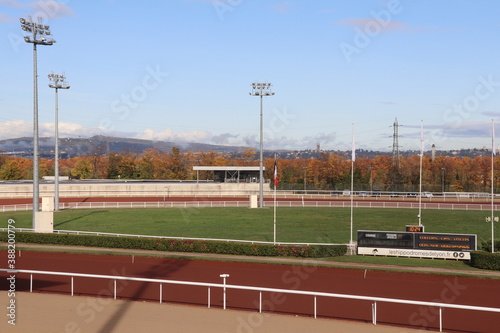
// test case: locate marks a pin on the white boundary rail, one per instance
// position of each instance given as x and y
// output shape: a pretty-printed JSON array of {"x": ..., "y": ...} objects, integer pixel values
[
  {"x": 280, "y": 203},
  {"x": 314, "y": 294},
  {"x": 94, "y": 233}
]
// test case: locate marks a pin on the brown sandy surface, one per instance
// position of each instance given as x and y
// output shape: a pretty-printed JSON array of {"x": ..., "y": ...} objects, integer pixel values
[
  {"x": 37, "y": 312},
  {"x": 303, "y": 276}
]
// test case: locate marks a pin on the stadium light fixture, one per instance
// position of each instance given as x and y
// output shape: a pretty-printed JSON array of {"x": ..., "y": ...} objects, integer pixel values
[
  {"x": 58, "y": 82},
  {"x": 35, "y": 31},
  {"x": 261, "y": 90}
]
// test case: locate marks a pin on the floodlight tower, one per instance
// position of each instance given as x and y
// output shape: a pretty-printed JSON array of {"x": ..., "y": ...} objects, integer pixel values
[
  {"x": 261, "y": 89},
  {"x": 59, "y": 82},
  {"x": 37, "y": 34}
]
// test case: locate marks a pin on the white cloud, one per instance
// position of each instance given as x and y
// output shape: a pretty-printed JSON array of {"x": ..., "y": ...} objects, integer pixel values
[
  {"x": 384, "y": 26},
  {"x": 20, "y": 128},
  {"x": 49, "y": 9},
  {"x": 4, "y": 18},
  {"x": 471, "y": 134},
  {"x": 67, "y": 129},
  {"x": 15, "y": 129},
  {"x": 283, "y": 7},
  {"x": 200, "y": 136},
  {"x": 45, "y": 9},
  {"x": 223, "y": 139},
  {"x": 230, "y": 139},
  {"x": 12, "y": 3}
]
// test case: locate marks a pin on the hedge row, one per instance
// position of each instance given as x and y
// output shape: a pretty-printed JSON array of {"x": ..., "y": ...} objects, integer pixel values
[
  {"x": 172, "y": 245},
  {"x": 485, "y": 260},
  {"x": 486, "y": 245}
]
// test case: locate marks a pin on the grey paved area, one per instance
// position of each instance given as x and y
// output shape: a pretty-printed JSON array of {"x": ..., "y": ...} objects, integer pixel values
[{"x": 48, "y": 313}]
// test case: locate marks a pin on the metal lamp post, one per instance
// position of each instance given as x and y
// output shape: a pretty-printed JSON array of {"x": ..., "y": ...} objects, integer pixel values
[
  {"x": 37, "y": 35},
  {"x": 371, "y": 180},
  {"x": 305, "y": 179},
  {"x": 261, "y": 90},
  {"x": 442, "y": 179},
  {"x": 59, "y": 82}
]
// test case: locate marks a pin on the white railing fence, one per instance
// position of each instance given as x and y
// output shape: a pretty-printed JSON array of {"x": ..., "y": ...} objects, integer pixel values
[
  {"x": 134, "y": 188},
  {"x": 279, "y": 204},
  {"x": 261, "y": 290}
]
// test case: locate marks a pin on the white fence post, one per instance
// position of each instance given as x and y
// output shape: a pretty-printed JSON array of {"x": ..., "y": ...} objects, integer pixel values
[
  {"x": 440, "y": 319},
  {"x": 315, "y": 307},
  {"x": 260, "y": 301}
]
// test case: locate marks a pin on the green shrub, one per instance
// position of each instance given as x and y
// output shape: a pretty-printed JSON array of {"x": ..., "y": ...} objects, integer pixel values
[
  {"x": 486, "y": 246},
  {"x": 175, "y": 245},
  {"x": 485, "y": 260}
]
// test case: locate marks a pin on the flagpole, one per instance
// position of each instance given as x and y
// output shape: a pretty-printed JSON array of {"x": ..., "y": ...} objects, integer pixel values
[
  {"x": 275, "y": 178},
  {"x": 353, "y": 157},
  {"x": 492, "y": 186},
  {"x": 275, "y": 214},
  {"x": 420, "y": 184}
]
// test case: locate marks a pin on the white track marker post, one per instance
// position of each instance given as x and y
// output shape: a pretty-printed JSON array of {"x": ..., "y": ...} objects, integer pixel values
[{"x": 224, "y": 276}]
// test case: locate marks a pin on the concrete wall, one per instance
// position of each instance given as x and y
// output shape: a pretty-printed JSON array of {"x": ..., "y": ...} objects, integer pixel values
[{"x": 128, "y": 189}]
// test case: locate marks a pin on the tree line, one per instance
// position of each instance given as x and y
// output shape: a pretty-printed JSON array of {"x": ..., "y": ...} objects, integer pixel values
[{"x": 328, "y": 171}]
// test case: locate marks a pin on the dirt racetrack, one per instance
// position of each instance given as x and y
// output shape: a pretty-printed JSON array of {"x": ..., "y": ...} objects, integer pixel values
[{"x": 424, "y": 287}]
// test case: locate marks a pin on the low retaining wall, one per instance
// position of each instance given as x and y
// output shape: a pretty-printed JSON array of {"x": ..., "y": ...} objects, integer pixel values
[{"x": 132, "y": 188}]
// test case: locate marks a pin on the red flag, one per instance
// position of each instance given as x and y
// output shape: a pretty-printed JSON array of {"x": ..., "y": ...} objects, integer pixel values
[{"x": 275, "y": 173}]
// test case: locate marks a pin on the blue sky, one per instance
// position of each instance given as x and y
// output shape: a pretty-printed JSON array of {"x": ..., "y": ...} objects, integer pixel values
[{"x": 181, "y": 70}]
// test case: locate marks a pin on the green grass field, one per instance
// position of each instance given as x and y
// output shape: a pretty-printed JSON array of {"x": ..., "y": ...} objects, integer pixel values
[{"x": 293, "y": 224}]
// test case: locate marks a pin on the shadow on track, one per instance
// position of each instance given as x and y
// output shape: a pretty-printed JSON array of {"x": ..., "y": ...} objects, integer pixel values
[{"x": 161, "y": 270}]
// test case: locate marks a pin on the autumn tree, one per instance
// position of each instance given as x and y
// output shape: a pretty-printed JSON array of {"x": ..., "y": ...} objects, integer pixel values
[
  {"x": 145, "y": 165},
  {"x": 326, "y": 171},
  {"x": 248, "y": 157},
  {"x": 177, "y": 165},
  {"x": 340, "y": 170},
  {"x": 113, "y": 166},
  {"x": 126, "y": 166},
  {"x": 82, "y": 169},
  {"x": 11, "y": 170}
]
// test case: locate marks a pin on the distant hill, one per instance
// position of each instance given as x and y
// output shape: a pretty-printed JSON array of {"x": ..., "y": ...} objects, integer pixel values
[
  {"x": 102, "y": 145},
  {"x": 99, "y": 145}
]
